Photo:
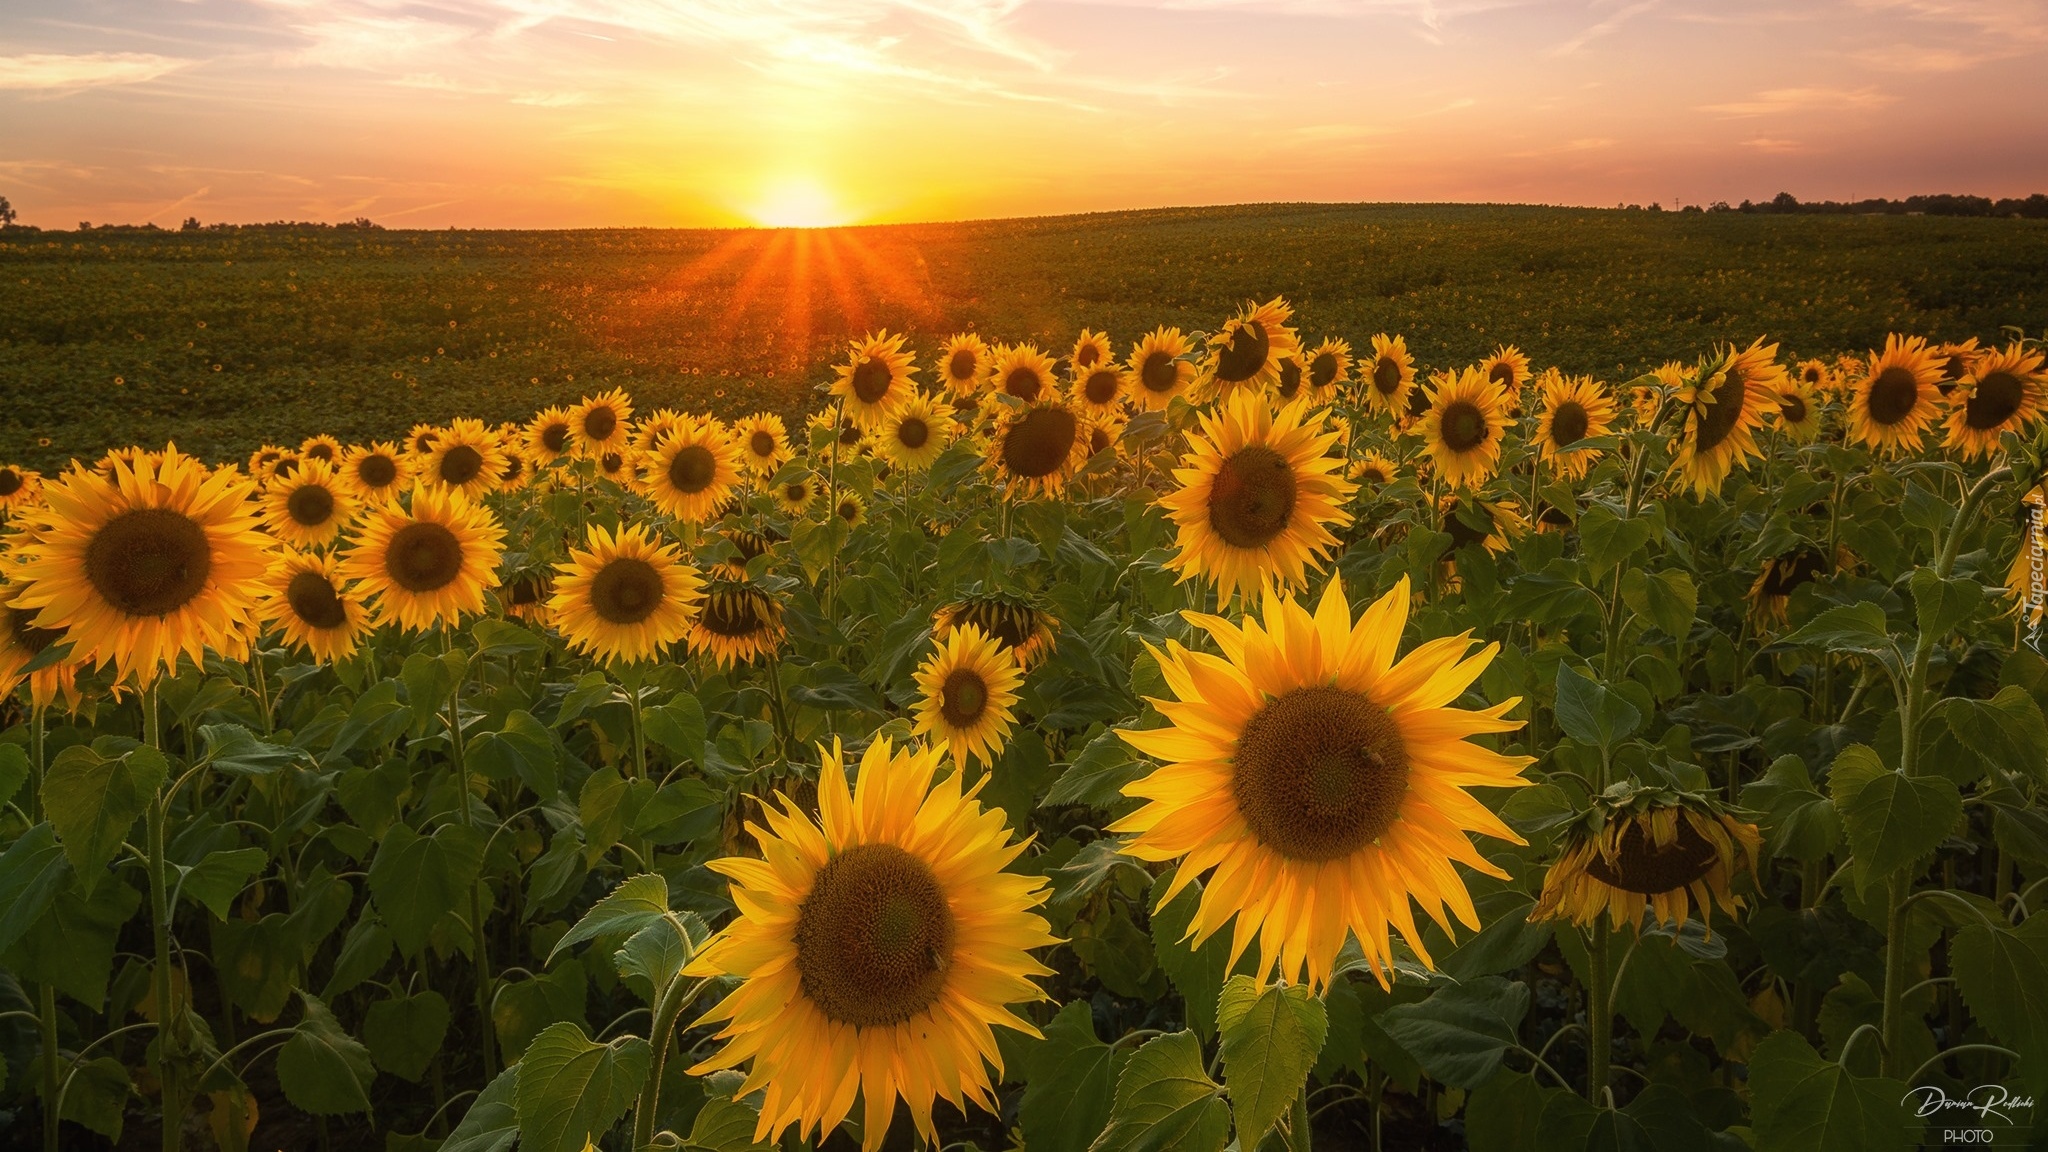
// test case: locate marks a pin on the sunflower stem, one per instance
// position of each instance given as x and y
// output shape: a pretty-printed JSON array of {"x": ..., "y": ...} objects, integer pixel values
[
  {"x": 477, "y": 950},
  {"x": 660, "y": 1034},
  {"x": 160, "y": 931},
  {"x": 262, "y": 680},
  {"x": 1599, "y": 1015},
  {"x": 46, "y": 1008}
]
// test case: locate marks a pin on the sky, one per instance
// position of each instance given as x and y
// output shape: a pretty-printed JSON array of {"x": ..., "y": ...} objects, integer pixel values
[{"x": 587, "y": 113}]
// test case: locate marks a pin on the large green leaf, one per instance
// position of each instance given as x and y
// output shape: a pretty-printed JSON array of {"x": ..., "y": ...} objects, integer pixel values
[
  {"x": 1591, "y": 713},
  {"x": 1462, "y": 1032},
  {"x": 93, "y": 801},
  {"x": 572, "y": 1090},
  {"x": 678, "y": 727},
  {"x": 1666, "y": 599},
  {"x": 523, "y": 748},
  {"x": 1271, "y": 1038},
  {"x": 415, "y": 880},
  {"x": 32, "y": 871},
  {"x": 1940, "y": 603},
  {"x": 220, "y": 876},
  {"x": 322, "y": 1069},
  {"x": 72, "y": 945},
  {"x": 1607, "y": 540},
  {"x": 14, "y": 770},
  {"x": 1069, "y": 1082},
  {"x": 725, "y": 1124},
  {"x": 1165, "y": 1102},
  {"x": 491, "y": 1124},
  {"x": 2003, "y": 974},
  {"x": 430, "y": 681},
  {"x": 1801, "y": 823},
  {"x": 1803, "y": 1103},
  {"x": 404, "y": 1032},
  {"x": 236, "y": 751},
  {"x": 96, "y": 1095},
  {"x": 2006, "y": 730},
  {"x": 637, "y": 902},
  {"x": 1097, "y": 774},
  {"x": 1895, "y": 820},
  {"x": 1845, "y": 628}
]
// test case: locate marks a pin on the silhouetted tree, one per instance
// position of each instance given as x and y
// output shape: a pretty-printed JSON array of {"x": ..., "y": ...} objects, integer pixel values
[{"x": 6, "y": 213}]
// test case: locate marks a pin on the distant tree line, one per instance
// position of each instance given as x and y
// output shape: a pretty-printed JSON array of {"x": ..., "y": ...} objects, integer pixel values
[{"x": 2033, "y": 207}]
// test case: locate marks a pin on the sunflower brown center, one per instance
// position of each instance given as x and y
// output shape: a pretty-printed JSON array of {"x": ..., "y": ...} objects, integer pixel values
[
  {"x": 692, "y": 469},
  {"x": 1994, "y": 401},
  {"x": 377, "y": 471},
  {"x": 26, "y": 635},
  {"x": 1568, "y": 423},
  {"x": 149, "y": 561},
  {"x": 1087, "y": 356},
  {"x": 961, "y": 366},
  {"x": 424, "y": 442},
  {"x": 874, "y": 938},
  {"x": 1954, "y": 366},
  {"x": 1038, "y": 443},
  {"x": 1322, "y": 371},
  {"x": 963, "y": 697},
  {"x": 761, "y": 443},
  {"x": 514, "y": 466},
  {"x": 423, "y": 556},
  {"x": 1502, "y": 373},
  {"x": 1246, "y": 353},
  {"x": 1647, "y": 868},
  {"x": 1252, "y": 498},
  {"x": 1098, "y": 439},
  {"x": 796, "y": 493},
  {"x": 1159, "y": 373},
  {"x": 1893, "y": 395},
  {"x": 286, "y": 467},
  {"x": 555, "y": 437},
  {"x": 1811, "y": 374},
  {"x": 10, "y": 482},
  {"x": 849, "y": 433},
  {"x": 1792, "y": 407},
  {"x": 1290, "y": 379},
  {"x": 1386, "y": 376},
  {"x": 1721, "y": 410},
  {"x": 913, "y": 432},
  {"x": 1791, "y": 570},
  {"x": 1101, "y": 386},
  {"x": 600, "y": 423},
  {"x": 626, "y": 591},
  {"x": 1460, "y": 532},
  {"x": 313, "y": 601},
  {"x": 1464, "y": 426},
  {"x": 871, "y": 380},
  {"x": 1320, "y": 773},
  {"x": 321, "y": 452},
  {"x": 460, "y": 464},
  {"x": 1023, "y": 383},
  {"x": 310, "y": 505},
  {"x": 524, "y": 591},
  {"x": 1418, "y": 403},
  {"x": 611, "y": 462}
]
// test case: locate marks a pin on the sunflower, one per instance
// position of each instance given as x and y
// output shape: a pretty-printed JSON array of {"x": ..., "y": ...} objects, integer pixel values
[
  {"x": 1644, "y": 848},
  {"x": 309, "y": 509},
  {"x": 1956, "y": 360},
  {"x": 262, "y": 460},
  {"x": 1507, "y": 368},
  {"x": 21, "y": 641},
  {"x": 1894, "y": 399},
  {"x": 875, "y": 379},
  {"x": 1772, "y": 591},
  {"x": 1157, "y": 369},
  {"x": 306, "y": 599},
  {"x": 1501, "y": 521},
  {"x": 964, "y": 363},
  {"x": 968, "y": 696},
  {"x": 547, "y": 434},
  {"x": 525, "y": 597},
  {"x": 465, "y": 459},
  {"x": 323, "y": 448},
  {"x": 916, "y": 433},
  {"x": 746, "y": 547},
  {"x": 429, "y": 565},
  {"x": 18, "y": 487},
  {"x": 877, "y": 945},
  {"x": 626, "y": 597},
  {"x": 1247, "y": 351},
  {"x": 1038, "y": 449},
  {"x": 161, "y": 560},
  {"x": 1329, "y": 368},
  {"x": 1464, "y": 425},
  {"x": 1293, "y": 376},
  {"x": 1099, "y": 390},
  {"x": 648, "y": 431},
  {"x": 420, "y": 440},
  {"x": 1259, "y": 496},
  {"x": 517, "y": 473},
  {"x": 850, "y": 509},
  {"x": 1373, "y": 470},
  {"x": 1574, "y": 409},
  {"x": 1323, "y": 781},
  {"x": 1392, "y": 378},
  {"x": 764, "y": 443},
  {"x": 794, "y": 495},
  {"x": 616, "y": 466},
  {"x": 375, "y": 473},
  {"x": 1020, "y": 629},
  {"x": 1021, "y": 370},
  {"x": 1104, "y": 433},
  {"x": 1798, "y": 410},
  {"x": 2004, "y": 391},
  {"x": 694, "y": 470},
  {"x": 1816, "y": 377},
  {"x": 738, "y": 624},
  {"x": 601, "y": 424},
  {"x": 1722, "y": 403}
]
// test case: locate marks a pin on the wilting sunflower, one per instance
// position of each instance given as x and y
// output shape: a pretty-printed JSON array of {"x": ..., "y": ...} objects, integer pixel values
[
  {"x": 323, "y": 448},
  {"x": 877, "y": 944},
  {"x": 1507, "y": 368},
  {"x": 1246, "y": 352},
  {"x": 1329, "y": 368},
  {"x": 465, "y": 459},
  {"x": 1894, "y": 400},
  {"x": 305, "y": 598},
  {"x": 1574, "y": 409},
  {"x": 1464, "y": 426},
  {"x": 1798, "y": 411},
  {"x": 1391, "y": 381},
  {"x": 420, "y": 440},
  {"x": 694, "y": 470},
  {"x": 875, "y": 378},
  {"x": 1372, "y": 470},
  {"x": 18, "y": 487},
  {"x": 964, "y": 363},
  {"x": 1772, "y": 591},
  {"x": 851, "y": 510},
  {"x": 764, "y": 443},
  {"x": 793, "y": 496},
  {"x": 746, "y": 546},
  {"x": 1021, "y": 370},
  {"x": 2004, "y": 391},
  {"x": 375, "y": 473},
  {"x": 163, "y": 559},
  {"x": 1323, "y": 781},
  {"x": 1722, "y": 403},
  {"x": 1648, "y": 848},
  {"x": 1259, "y": 496},
  {"x": 525, "y": 596},
  {"x": 601, "y": 424},
  {"x": 1038, "y": 449},
  {"x": 309, "y": 509},
  {"x": 917, "y": 432},
  {"x": 626, "y": 597},
  {"x": 429, "y": 565},
  {"x": 968, "y": 696},
  {"x": 1956, "y": 360},
  {"x": 1024, "y": 631},
  {"x": 1157, "y": 369},
  {"x": 737, "y": 624},
  {"x": 547, "y": 435}
]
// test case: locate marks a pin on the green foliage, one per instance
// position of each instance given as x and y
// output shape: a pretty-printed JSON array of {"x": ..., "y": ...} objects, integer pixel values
[{"x": 571, "y": 1090}]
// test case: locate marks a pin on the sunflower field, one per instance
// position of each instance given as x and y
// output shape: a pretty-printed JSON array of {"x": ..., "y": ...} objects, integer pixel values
[{"x": 1230, "y": 739}]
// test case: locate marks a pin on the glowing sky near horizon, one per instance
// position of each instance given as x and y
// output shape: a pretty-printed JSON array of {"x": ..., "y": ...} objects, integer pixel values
[{"x": 574, "y": 113}]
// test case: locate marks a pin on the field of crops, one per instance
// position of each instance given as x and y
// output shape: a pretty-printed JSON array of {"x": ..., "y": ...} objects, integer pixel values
[
  {"x": 1226, "y": 736},
  {"x": 224, "y": 340}
]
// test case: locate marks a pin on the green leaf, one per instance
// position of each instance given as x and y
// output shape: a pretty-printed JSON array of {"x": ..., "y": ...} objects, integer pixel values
[
  {"x": 491, "y": 1124},
  {"x": 1941, "y": 603},
  {"x": 1069, "y": 1082},
  {"x": 364, "y": 952},
  {"x": 71, "y": 945},
  {"x": 2003, "y": 974},
  {"x": 14, "y": 770},
  {"x": 523, "y": 748},
  {"x": 1802, "y": 823},
  {"x": 1853, "y": 770},
  {"x": 606, "y": 808},
  {"x": 97, "y": 1095},
  {"x": 236, "y": 751},
  {"x": 495, "y": 637},
  {"x": 430, "y": 681},
  {"x": 322, "y": 1069},
  {"x": 415, "y": 880},
  {"x": 678, "y": 727},
  {"x": 654, "y": 955},
  {"x": 1802, "y": 1103},
  {"x": 32, "y": 870},
  {"x": 1165, "y": 1102},
  {"x": 376, "y": 719},
  {"x": 725, "y": 1124},
  {"x": 1607, "y": 540},
  {"x": 1666, "y": 599},
  {"x": 1271, "y": 1038},
  {"x": 524, "y": 1008},
  {"x": 2007, "y": 730},
  {"x": 1097, "y": 775},
  {"x": 94, "y": 800},
  {"x": 404, "y": 1032},
  {"x": 220, "y": 876},
  {"x": 1196, "y": 973},
  {"x": 571, "y": 1090},
  {"x": 1845, "y": 628},
  {"x": 637, "y": 902},
  {"x": 1461, "y": 1033},
  {"x": 1591, "y": 713},
  {"x": 1895, "y": 820}
]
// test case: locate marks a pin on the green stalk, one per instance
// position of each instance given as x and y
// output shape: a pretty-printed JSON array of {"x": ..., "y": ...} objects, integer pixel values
[
  {"x": 160, "y": 930},
  {"x": 661, "y": 1031},
  {"x": 46, "y": 1014},
  {"x": 1599, "y": 1016},
  {"x": 476, "y": 891}
]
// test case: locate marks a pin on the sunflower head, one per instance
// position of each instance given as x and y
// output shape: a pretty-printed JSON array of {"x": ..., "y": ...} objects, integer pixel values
[
  {"x": 1390, "y": 383},
  {"x": 1894, "y": 400},
  {"x": 21, "y": 641},
  {"x": 967, "y": 693},
  {"x": 1465, "y": 426},
  {"x": 793, "y": 494},
  {"x": 763, "y": 442},
  {"x": 1507, "y": 369},
  {"x": 525, "y": 596},
  {"x": 1016, "y": 626},
  {"x": 875, "y": 378},
  {"x": 323, "y": 448},
  {"x": 1329, "y": 369},
  {"x": 1771, "y": 593},
  {"x": 917, "y": 432},
  {"x": 964, "y": 364},
  {"x": 1246, "y": 352},
  {"x": 747, "y": 546},
  {"x": 1722, "y": 403},
  {"x": 693, "y": 470},
  {"x": 428, "y": 564},
  {"x": 466, "y": 458},
  {"x": 1648, "y": 849},
  {"x": 738, "y": 624},
  {"x": 305, "y": 598},
  {"x": 420, "y": 440},
  {"x": 601, "y": 424},
  {"x": 1022, "y": 371},
  {"x": 1956, "y": 361},
  {"x": 625, "y": 597},
  {"x": 2003, "y": 391},
  {"x": 19, "y": 487},
  {"x": 1574, "y": 409},
  {"x": 310, "y": 508},
  {"x": 375, "y": 473},
  {"x": 1092, "y": 350},
  {"x": 1037, "y": 449},
  {"x": 1157, "y": 369},
  {"x": 548, "y": 434},
  {"x": 1373, "y": 471}
]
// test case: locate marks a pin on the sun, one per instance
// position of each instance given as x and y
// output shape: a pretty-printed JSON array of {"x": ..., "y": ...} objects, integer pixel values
[{"x": 797, "y": 203}]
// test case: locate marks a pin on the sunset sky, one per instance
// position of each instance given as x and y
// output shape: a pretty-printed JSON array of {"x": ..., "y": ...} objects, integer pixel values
[{"x": 575, "y": 113}]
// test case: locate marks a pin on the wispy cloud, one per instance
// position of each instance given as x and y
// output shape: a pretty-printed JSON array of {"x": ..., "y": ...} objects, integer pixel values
[
  {"x": 54, "y": 71},
  {"x": 1773, "y": 145},
  {"x": 1778, "y": 101},
  {"x": 1603, "y": 28}
]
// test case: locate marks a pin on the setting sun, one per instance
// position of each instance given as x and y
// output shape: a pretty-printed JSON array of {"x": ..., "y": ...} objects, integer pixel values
[{"x": 797, "y": 204}]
